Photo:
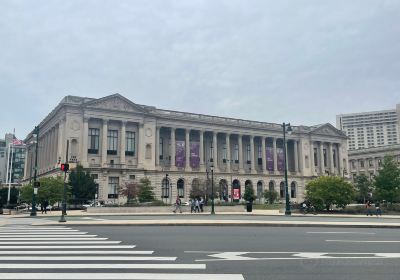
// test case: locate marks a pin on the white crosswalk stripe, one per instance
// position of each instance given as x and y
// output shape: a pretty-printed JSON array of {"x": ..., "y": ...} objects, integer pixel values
[{"x": 25, "y": 250}]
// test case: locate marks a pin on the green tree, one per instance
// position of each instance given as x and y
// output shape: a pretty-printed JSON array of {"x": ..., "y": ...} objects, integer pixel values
[
  {"x": 51, "y": 189},
  {"x": 363, "y": 187},
  {"x": 26, "y": 194},
  {"x": 13, "y": 196},
  {"x": 325, "y": 191},
  {"x": 249, "y": 193},
  {"x": 82, "y": 184},
  {"x": 271, "y": 196},
  {"x": 130, "y": 191},
  {"x": 145, "y": 193},
  {"x": 387, "y": 182}
]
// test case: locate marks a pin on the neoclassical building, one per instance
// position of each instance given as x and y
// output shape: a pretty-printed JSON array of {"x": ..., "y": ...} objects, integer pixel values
[{"x": 119, "y": 141}]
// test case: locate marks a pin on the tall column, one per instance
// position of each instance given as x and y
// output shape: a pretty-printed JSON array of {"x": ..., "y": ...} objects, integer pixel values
[
  {"x": 85, "y": 136},
  {"x": 301, "y": 157},
  {"x": 51, "y": 158},
  {"x": 215, "y": 155},
  {"x": 340, "y": 160},
  {"x": 274, "y": 140},
  {"x": 332, "y": 167},
  {"x": 60, "y": 145},
  {"x": 187, "y": 150},
  {"x": 141, "y": 146},
  {"x": 123, "y": 143},
  {"x": 263, "y": 155},
  {"x": 321, "y": 156},
  {"x": 252, "y": 157},
  {"x": 296, "y": 156},
  {"x": 240, "y": 153},
  {"x": 228, "y": 152},
  {"x": 104, "y": 143},
  {"x": 173, "y": 148},
  {"x": 312, "y": 165},
  {"x": 157, "y": 147},
  {"x": 202, "y": 168}
]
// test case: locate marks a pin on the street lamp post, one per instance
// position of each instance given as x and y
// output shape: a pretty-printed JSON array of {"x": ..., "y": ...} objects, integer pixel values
[
  {"x": 286, "y": 129},
  {"x": 35, "y": 183},
  {"x": 212, "y": 191}
]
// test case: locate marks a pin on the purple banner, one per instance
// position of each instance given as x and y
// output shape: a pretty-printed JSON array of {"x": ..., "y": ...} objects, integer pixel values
[
  {"x": 180, "y": 154},
  {"x": 270, "y": 158},
  {"x": 195, "y": 154},
  {"x": 280, "y": 159}
]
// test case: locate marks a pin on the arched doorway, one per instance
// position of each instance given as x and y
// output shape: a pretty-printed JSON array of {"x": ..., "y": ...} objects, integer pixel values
[
  {"x": 180, "y": 187},
  {"x": 223, "y": 190},
  {"x": 236, "y": 190},
  {"x": 282, "y": 190},
  {"x": 293, "y": 190},
  {"x": 260, "y": 191},
  {"x": 197, "y": 189}
]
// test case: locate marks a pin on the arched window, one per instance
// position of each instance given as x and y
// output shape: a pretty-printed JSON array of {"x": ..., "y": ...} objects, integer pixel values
[
  {"x": 271, "y": 186},
  {"x": 282, "y": 189},
  {"x": 260, "y": 189},
  {"x": 181, "y": 188},
  {"x": 165, "y": 188},
  {"x": 293, "y": 190}
]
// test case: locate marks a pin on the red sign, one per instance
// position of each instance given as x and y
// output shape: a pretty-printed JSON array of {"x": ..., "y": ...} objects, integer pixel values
[{"x": 236, "y": 193}]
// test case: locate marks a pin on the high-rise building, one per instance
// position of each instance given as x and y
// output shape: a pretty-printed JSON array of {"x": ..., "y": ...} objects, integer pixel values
[
  {"x": 119, "y": 141},
  {"x": 15, "y": 154},
  {"x": 371, "y": 129}
]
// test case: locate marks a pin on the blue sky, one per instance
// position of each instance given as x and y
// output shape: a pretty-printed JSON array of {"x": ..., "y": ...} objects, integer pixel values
[{"x": 300, "y": 61}]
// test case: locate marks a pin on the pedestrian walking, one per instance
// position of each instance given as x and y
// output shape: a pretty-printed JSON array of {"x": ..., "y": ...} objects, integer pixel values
[
  {"x": 304, "y": 208},
  {"x": 197, "y": 206},
  {"x": 368, "y": 206},
  {"x": 201, "y": 204},
  {"x": 378, "y": 209},
  {"x": 192, "y": 206},
  {"x": 178, "y": 204}
]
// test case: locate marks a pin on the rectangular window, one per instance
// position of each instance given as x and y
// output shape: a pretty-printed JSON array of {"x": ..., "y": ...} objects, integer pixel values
[
  {"x": 248, "y": 158},
  {"x": 93, "y": 140},
  {"x": 325, "y": 158},
  {"x": 224, "y": 153},
  {"x": 361, "y": 163},
  {"x": 371, "y": 163},
  {"x": 334, "y": 158},
  {"x": 130, "y": 143},
  {"x": 113, "y": 183},
  {"x": 112, "y": 138},
  {"x": 259, "y": 154},
  {"x": 211, "y": 155},
  {"x": 315, "y": 157},
  {"x": 236, "y": 153},
  {"x": 161, "y": 148}
]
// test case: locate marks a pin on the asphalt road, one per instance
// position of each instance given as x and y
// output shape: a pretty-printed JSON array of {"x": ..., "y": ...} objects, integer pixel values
[{"x": 194, "y": 252}]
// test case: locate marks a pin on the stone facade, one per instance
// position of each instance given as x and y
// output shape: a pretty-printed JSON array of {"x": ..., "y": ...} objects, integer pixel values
[
  {"x": 369, "y": 161},
  {"x": 119, "y": 141}
]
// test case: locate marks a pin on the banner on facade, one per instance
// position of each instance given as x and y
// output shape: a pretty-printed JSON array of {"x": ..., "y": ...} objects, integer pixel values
[
  {"x": 270, "y": 158},
  {"x": 195, "y": 154},
  {"x": 236, "y": 193},
  {"x": 280, "y": 158},
  {"x": 180, "y": 154}
]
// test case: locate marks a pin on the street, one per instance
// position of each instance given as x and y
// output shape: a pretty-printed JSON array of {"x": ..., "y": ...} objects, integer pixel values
[{"x": 196, "y": 252}]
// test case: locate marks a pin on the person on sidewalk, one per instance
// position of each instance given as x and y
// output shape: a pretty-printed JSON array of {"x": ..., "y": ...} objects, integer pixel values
[
  {"x": 378, "y": 209},
  {"x": 196, "y": 206},
  {"x": 368, "y": 206},
  {"x": 192, "y": 205},
  {"x": 201, "y": 204},
  {"x": 178, "y": 204}
]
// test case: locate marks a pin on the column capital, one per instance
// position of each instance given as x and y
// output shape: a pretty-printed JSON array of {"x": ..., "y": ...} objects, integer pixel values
[
  {"x": 105, "y": 121},
  {"x": 86, "y": 119}
]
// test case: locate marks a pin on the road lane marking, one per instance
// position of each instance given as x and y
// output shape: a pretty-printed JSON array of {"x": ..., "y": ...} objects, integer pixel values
[
  {"x": 132, "y": 276},
  {"x": 363, "y": 241},
  {"x": 42, "y": 233},
  {"x": 47, "y": 235},
  {"x": 86, "y": 258},
  {"x": 57, "y": 242},
  {"x": 25, "y": 252},
  {"x": 340, "y": 232},
  {"x": 69, "y": 247},
  {"x": 54, "y": 238},
  {"x": 100, "y": 266}
]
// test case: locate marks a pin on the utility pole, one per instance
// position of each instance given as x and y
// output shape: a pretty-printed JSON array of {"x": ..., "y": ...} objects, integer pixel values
[
  {"x": 65, "y": 168},
  {"x": 35, "y": 183}
]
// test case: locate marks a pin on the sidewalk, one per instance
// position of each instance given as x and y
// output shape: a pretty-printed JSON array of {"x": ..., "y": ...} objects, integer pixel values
[{"x": 257, "y": 218}]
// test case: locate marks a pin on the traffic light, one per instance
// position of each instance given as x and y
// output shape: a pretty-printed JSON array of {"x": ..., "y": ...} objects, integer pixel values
[{"x": 64, "y": 167}]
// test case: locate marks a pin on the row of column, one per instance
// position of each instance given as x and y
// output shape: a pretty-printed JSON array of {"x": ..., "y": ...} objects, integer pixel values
[
  {"x": 228, "y": 156},
  {"x": 47, "y": 153},
  {"x": 330, "y": 158}
]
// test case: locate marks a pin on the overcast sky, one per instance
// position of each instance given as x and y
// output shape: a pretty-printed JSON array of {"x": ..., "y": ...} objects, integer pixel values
[{"x": 295, "y": 61}]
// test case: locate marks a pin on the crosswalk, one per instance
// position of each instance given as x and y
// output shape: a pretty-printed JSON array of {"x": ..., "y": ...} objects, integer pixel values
[{"x": 39, "y": 252}]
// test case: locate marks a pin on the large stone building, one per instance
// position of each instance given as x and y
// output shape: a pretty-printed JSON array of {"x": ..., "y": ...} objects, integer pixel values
[
  {"x": 119, "y": 141},
  {"x": 15, "y": 154},
  {"x": 369, "y": 161},
  {"x": 371, "y": 129}
]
